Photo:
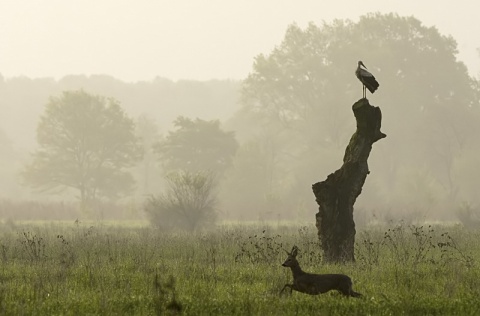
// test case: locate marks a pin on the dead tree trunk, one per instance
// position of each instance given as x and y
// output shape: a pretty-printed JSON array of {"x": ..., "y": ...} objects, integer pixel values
[{"x": 337, "y": 194}]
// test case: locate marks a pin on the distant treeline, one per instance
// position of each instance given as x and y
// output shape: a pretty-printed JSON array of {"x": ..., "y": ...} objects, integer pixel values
[{"x": 22, "y": 100}]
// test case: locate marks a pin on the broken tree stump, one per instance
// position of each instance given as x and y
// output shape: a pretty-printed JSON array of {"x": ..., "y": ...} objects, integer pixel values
[{"x": 338, "y": 193}]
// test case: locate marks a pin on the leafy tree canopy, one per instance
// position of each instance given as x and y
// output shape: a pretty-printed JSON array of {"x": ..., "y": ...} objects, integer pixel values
[
  {"x": 86, "y": 142},
  {"x": 310, "y": 74},
  {"x": 197, "y": 145},
  {"x": 306, "y": 84}
]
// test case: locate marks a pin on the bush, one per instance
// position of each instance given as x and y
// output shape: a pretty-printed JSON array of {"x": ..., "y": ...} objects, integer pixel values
[
  {"x": 469, "y": 215},
  {"x": 188, "y": 203}
]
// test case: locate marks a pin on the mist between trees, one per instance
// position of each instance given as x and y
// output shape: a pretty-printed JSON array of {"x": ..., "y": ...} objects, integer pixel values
[{"x": 265, "y": 140}]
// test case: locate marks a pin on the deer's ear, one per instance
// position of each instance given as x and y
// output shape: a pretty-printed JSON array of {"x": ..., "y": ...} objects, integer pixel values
[{"x": 294, "y": 251}]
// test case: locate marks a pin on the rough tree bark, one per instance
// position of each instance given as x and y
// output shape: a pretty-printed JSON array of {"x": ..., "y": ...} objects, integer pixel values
[{"x": 337, "y": 194}]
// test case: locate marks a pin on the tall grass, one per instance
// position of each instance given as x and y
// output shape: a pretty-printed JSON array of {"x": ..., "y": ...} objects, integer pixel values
[{"x": 233, "y": 270}]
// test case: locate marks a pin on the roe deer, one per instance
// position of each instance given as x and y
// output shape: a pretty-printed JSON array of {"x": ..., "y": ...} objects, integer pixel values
[{"x": 314, "y": 284}]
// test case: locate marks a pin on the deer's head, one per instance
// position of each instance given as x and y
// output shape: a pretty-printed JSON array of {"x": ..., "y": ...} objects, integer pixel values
[{"x": 291, "y": 258}]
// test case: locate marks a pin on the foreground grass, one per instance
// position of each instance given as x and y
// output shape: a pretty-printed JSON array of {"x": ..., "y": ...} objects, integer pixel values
[{"x": 233, "y": 270}]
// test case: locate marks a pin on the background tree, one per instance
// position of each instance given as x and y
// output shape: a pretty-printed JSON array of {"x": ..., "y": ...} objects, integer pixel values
[
  {"x": 10, "y": 161},
  {"x": 254, "y": 188},
  {"x": 86, "y": 143},
  {"x": 429, "y": 101},
  {"x": 197, "y": 145},
  {"x": 147, "y": 171}
]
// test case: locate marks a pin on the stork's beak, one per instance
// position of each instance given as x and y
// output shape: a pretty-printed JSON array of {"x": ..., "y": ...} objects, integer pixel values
[{"x": 364, "y": 65}]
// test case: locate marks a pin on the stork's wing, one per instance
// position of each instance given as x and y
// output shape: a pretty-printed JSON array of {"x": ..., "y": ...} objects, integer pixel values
[
  {"x": 364, "y": 73},
  {"x": 366, "y": 78}
]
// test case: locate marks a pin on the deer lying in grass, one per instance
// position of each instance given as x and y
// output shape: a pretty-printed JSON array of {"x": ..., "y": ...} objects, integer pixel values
[{"x": 314, "y": 284}]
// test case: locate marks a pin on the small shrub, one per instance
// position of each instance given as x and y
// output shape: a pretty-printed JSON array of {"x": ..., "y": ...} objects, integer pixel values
[
  {"x": 261, "y": 249},
  {"x": 33, "y": 246},
  {"x": 468, "y": 215},
  {"x": 189, "y": 202},
  {"x": 164, "y": 298}
]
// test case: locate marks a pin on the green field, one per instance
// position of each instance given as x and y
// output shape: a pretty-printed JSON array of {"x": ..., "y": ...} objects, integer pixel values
[{"x": 69, "y": 269}]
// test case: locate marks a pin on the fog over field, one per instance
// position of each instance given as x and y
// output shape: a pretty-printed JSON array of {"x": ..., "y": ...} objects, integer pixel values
[
  {"x": 199, "y": 40},
  {"x": 256, "y": 94}
]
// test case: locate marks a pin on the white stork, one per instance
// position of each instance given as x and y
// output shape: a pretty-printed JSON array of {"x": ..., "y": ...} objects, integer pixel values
[{"x": 366, "y": 78}]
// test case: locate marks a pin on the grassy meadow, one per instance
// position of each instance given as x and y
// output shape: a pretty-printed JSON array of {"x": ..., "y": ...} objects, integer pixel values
[{"x": 83, "y": 269}]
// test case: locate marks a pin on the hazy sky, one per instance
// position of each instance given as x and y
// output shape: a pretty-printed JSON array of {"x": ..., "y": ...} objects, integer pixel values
[{"x": 188, "y": 39}]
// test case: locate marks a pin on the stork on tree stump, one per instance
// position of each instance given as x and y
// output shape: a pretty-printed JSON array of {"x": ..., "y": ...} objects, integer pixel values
[{"x": 337, "y": 194}]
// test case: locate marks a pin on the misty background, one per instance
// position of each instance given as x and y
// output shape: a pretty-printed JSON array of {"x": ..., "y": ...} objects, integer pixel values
[{"x": 251, "y": 67}]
